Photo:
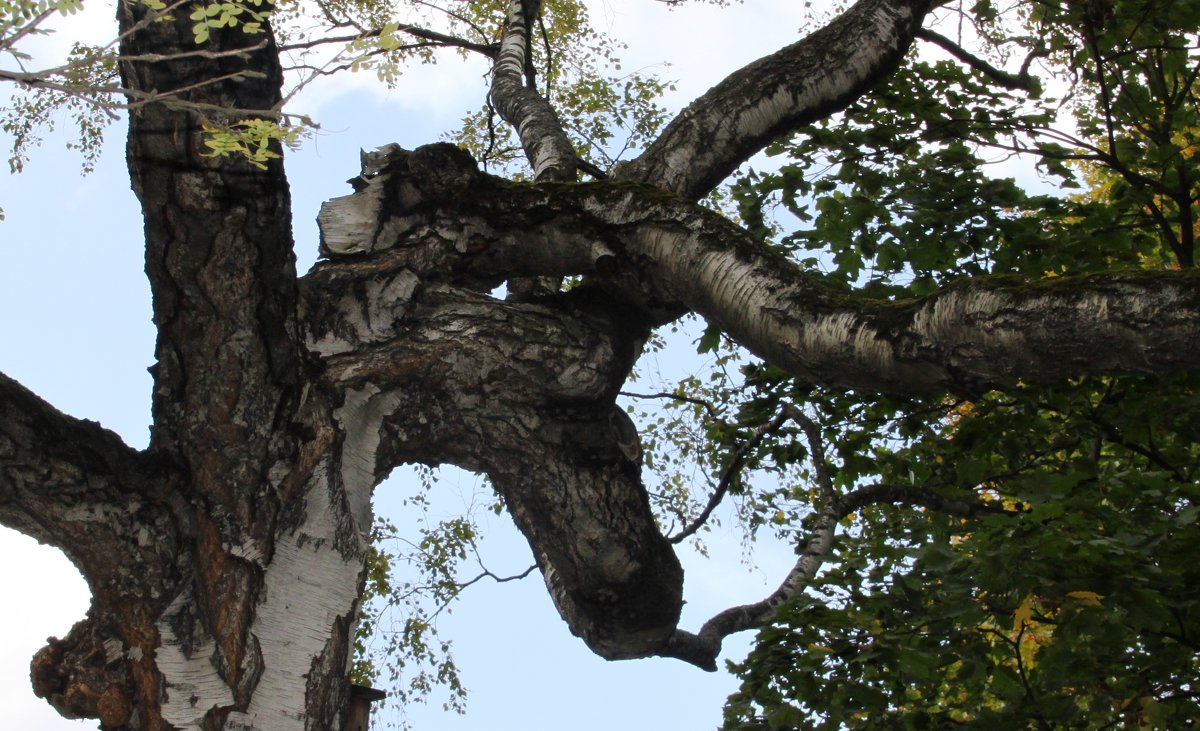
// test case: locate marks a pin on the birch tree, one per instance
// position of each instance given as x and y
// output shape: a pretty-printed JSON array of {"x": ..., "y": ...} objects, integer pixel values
[{"x": 227, "y": 560}]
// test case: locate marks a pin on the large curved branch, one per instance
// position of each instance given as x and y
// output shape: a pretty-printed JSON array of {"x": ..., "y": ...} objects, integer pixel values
[
  {"x": 525, "y": 394},
  {"x": 795, "y": 86},
  {"x": 401, "y": 318},
  {"x": 965, "y": 338}
]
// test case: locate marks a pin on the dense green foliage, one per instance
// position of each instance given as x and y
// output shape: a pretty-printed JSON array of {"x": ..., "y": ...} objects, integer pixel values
[{"x": 1079, "y": 607}]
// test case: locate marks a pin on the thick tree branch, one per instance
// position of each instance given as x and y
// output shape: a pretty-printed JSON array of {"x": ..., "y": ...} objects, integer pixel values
[
  {"x": 69, "y": 483},
  {"x": 61, "y": 476},
  {"x": 234, "y": 406},
  {"x": 969, "y": 337},
  {"x": 400, "y": 315},
  {"x": 525, "y": 394},
  {"x": 777, "y": 94}
]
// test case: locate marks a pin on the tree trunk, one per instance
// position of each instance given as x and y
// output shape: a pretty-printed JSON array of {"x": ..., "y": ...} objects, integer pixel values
[{"x": 248, "y": 522}]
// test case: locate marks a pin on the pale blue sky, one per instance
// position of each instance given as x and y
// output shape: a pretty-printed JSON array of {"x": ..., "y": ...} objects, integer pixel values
[{"x": 75, "y": 328}]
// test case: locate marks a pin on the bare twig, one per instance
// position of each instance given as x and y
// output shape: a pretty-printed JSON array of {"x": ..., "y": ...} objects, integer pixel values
[
  {"x": 457, "y": 16},
  {"x": 486, "y": 574},
  {"x": 435, "y": 40},
  {"x": 707, "y": 405}
]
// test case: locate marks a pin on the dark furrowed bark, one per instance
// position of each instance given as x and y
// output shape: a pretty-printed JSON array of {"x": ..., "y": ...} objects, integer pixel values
[
  {"x": 218, "y": 255},
  {"x": 262, "y": 494},
  {"x": 73, "y": 485},
  {"x": 51, "y": 464}
]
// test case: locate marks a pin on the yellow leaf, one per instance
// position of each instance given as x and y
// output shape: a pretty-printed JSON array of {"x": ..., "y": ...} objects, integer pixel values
[
  {"x": 1087, "y": 597},
  {"x": 1023, "y": 614}
]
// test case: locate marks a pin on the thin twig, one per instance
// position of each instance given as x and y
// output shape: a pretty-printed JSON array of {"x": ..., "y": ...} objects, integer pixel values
[
  {"x": 712, "y": 410},
  {"x": 434, "y": 38},
  {"x": 733, "y": 469}
]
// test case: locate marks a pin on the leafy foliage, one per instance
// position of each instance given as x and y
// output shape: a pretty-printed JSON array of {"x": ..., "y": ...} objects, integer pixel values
[
  {"x": 255, "y": 140},
  {"x": 228, "y": 15},
  {"x": 1076, "y": 608},
  {"x": 408, "y": 584},
  {"x": 29, "y": 115},
  {"x": 1079, "y": 611}
]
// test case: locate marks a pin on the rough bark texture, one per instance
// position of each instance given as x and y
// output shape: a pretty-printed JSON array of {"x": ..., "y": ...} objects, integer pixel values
[
  {"x": 979, "y": 334},
  {"x": 225, "y": 561}
]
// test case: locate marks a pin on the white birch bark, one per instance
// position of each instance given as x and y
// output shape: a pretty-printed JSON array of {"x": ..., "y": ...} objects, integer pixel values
[
  {"x": 777, "y": 94},
  {"x": 546, "y": 145},
  {"x": 972, "y": 336}
]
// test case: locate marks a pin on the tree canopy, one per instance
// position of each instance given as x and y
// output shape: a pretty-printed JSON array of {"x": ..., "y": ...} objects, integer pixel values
[{"x": 966, "y": 398}]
